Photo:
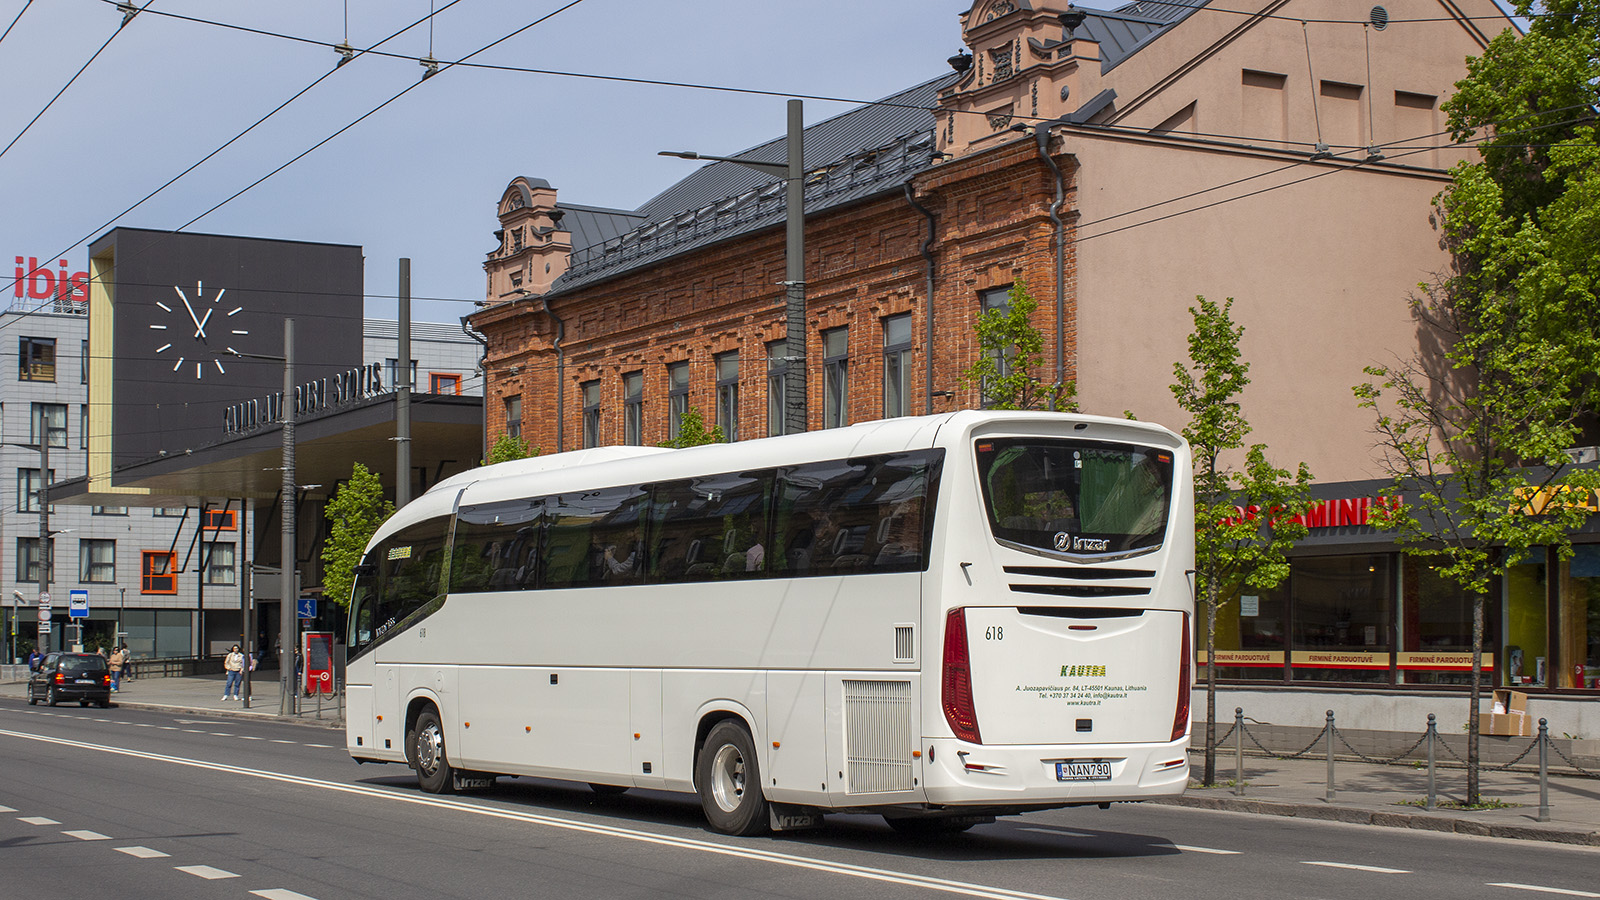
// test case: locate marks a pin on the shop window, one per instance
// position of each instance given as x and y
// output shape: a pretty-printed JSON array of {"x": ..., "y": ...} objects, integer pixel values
[
  {"x": 1527, "y": 623},
  {"x": 1343, "y": 608},
  {"x": 158, "y": 570},
  {"x": 1579, "y": 620},
  {"x": 1436, "y": 628}
]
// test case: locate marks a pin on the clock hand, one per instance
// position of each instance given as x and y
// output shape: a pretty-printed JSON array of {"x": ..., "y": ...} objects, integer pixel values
[
  {"x": 192, "y": 317},
  {"x": 200, "y": 326}
]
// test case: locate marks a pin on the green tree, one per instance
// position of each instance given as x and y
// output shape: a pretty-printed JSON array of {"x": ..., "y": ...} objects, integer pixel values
[
  {"x": 1010, "y": 356},
  {"x": 692, "y": 431},
  {"x": 1244, "y": 516},
  {"x": 354, "y": 514},
  {"x": 1472, "y": 427},
  {"x": 507, "y": 448}
]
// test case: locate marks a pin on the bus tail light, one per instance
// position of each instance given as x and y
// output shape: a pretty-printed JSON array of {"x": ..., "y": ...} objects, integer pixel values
[
  {"x": 956, "y": 691},
  {"x": 1180, "y": 720}
]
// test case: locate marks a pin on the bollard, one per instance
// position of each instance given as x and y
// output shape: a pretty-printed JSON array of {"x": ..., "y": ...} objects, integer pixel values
[
  {"x": 1433, "y": 733},
  {"x": 1238, "y": 751},
  {"x": 1328, "y": 729},
  {"x": 1544, "y": 771}
]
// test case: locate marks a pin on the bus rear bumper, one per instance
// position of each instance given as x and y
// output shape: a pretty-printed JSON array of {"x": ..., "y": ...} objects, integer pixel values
[{"x": 957, "y": 773}]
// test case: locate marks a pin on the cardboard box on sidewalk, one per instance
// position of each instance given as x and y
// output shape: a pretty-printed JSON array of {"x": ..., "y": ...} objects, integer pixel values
[{"x": 1508, "y": 715}]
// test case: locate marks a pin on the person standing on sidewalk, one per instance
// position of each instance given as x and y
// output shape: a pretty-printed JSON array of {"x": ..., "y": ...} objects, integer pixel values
[
  {"x": 233, "y": 667},
  {"x": 115, "y": 664}
]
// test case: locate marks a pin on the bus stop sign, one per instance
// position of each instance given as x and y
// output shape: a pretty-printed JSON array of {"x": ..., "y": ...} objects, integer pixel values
[{"x": 78, "y": 604}]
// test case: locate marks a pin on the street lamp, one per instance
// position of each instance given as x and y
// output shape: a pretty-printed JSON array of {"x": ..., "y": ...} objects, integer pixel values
[{"x": 793, "y": 173}]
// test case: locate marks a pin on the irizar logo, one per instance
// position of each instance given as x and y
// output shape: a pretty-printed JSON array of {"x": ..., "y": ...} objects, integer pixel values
[
  {"x": 1065, "y": 542},
  {"x": 1083, "y": 671}
]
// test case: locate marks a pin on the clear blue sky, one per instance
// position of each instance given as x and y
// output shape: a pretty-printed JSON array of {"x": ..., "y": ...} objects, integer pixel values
[{"x": 419, "y": 178}]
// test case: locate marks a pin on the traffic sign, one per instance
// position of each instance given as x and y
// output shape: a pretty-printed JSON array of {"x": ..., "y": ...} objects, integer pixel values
[
  {"x": 306, "y": 608},
  {"x": 78, "y": 604},
  {"x": 44, "y": 614}
]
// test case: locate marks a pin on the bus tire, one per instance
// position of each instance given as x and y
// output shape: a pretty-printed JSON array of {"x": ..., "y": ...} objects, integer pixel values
[
  {"x": 728, "y": 779},
  {"x": 426, "y": 746}
]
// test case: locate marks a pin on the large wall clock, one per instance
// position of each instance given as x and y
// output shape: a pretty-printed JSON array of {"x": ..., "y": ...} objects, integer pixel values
[{"x": 195, "y": 333}]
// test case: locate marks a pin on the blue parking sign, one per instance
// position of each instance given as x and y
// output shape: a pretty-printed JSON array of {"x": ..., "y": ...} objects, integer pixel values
[{"x": 307, "y": 608}]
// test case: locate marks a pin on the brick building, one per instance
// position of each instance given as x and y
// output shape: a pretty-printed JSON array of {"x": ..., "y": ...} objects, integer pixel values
[{"x": 1283, "y": 153}]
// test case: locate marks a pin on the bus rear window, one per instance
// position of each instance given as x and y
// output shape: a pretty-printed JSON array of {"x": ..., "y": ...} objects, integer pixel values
[{"x": 1075, "y": 497}]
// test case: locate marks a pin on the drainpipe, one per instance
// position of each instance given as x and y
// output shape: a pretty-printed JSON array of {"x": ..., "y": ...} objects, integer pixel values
[
  {"x": 1041, "y": 135},
  {"x": 927, "y": 257},
  {"x": 483, "y": 375},
  {"x": 561, "y": 377}
]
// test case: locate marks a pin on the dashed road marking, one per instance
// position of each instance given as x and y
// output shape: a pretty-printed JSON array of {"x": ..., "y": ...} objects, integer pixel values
[
  {"x": 281, "y": 741},
  {"x": 249, "y": 737},
  {"x": 142, "y": 852},
  {"x": 1188, "y": 849},
  {"x": 281, "y": 894},
  {"x": 1548, "y": 890},
  {"x": 1359, "y": 868},
  {"x": 207, "y": 872},
  {"x": 37, "y": 820},
  {"x": 87, "y": 835},
  {"x": 6, "y": 809}
]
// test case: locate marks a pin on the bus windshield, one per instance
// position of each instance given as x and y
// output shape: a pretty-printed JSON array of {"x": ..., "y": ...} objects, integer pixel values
[{"x": 1077, "y": 497}]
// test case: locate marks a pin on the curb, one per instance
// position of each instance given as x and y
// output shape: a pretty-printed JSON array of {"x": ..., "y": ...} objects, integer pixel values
[
  {"x": 329, "y": 724},
  {"x": 1356, "y": 816}
]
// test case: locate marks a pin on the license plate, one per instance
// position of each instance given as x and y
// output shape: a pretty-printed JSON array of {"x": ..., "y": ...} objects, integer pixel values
[
  {"x": 1083, "y": 771},
  {"x": 85, "y": 681}
]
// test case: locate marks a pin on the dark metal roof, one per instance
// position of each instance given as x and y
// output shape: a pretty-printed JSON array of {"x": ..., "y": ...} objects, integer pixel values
[
  {"x": 873, "y": 125},
  {"x": 590, "y": 225}
]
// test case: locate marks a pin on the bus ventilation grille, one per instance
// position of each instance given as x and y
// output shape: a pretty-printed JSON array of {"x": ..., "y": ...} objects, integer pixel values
[
  {"x": 905, "y": 643},
  {"x": 878, "y": 739}
]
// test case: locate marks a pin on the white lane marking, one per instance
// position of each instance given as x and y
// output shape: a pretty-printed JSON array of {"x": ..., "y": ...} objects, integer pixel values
[
  {"x": 37, "y": 820},
  {"x": 249, "y": 737},
  {"x": 220, "y": 734},
  {"x": 142, "y": 852},
  {"x": 1059, "y": 832},
  {"x": 1379, "y": 869},
  {"x": 6, "y": 809},
  {"x": 167, "y": 727},
  {"x": 850, "y": 870},
  {"x": 1188, "y": 849},
  {"x": 142, "y": 724},
  {"x": 193, "y": 731},
  {"x": 281, "y": 894},
  {"x": 1535, "y": 887},
  {"x": 206, "y": 872},
  {"x": 282, "y": 741},
  {"x": 87, "y": 835}
]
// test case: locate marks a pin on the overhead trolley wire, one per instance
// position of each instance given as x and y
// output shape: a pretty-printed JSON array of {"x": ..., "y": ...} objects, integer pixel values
[
  {"x": 128, "y": 18},
  {"x": 15, "y": 21}
]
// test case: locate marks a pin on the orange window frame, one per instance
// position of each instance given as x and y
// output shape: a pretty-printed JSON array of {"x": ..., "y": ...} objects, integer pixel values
[
  {"x": 157, "y": 572},
  {"x": 443, "y": 383},
  {"x": 220, "y": 520}
]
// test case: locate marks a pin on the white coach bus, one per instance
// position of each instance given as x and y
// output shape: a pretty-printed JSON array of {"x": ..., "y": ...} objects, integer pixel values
[{"x": 937, "y": 619}]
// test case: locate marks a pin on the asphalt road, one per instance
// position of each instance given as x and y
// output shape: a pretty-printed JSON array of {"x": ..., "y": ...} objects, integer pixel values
[{"x": 131, "y": 804}]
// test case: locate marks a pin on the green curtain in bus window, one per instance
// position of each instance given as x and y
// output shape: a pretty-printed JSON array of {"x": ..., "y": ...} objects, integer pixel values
[
  {"x": 595, "y": 537},
  {"x": 1121, "y": 494}
]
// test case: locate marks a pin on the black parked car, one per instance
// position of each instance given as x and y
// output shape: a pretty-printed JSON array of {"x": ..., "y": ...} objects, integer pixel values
[{"x": 83, "y": 677}]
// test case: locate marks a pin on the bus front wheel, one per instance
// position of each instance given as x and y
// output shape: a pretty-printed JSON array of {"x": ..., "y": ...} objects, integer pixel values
[
  {"x": 426, "y": 741},
  {"x": 728, "y": 779}
]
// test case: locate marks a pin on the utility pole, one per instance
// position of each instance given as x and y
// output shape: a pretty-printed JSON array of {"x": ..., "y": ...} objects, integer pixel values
[
  {"x": 286, "y": 581},
  {"x": 402, "y": 404},
  {"x": 44, "y": 520}
]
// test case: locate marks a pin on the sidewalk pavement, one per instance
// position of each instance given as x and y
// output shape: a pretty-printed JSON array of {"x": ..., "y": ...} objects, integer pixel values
[
  {"x": 203, "y": 694},
  {"x": 1364, "y": 793}
]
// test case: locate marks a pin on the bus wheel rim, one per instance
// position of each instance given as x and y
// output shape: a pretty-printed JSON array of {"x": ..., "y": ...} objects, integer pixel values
[
  {"x": 430, "y": 746},
  {"x": 727, "y": 778}
]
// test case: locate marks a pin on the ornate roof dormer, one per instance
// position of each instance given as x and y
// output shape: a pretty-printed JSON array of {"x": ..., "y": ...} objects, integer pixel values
[
  {"x": 1026, "y": 65},
  {"x": 533, "y": 249}
]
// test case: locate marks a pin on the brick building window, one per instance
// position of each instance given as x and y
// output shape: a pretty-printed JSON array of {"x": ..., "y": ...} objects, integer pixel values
[
  {"x": 158, "y": 570},
  {"x": 835, "y": 377},
  {"x": 633, "y": 409},
  {"x": 37, "y": 359},
  {"x": 997, "y": 300},
  {"x": 728, "y": 394},
  {"x": 777, "y": 386},
  {"x": 590, "y": 390},
  {"x": 514, "y": 416},
  {"x": 97, "y": 561},
  {"x": 677, "y": 396},
  {"x": 896, "y": 365}
]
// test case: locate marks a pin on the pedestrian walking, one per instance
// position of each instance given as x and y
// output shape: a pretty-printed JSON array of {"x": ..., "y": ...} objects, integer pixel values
[
  {"x": 33, "y": 660},
  {"x": 127, "y": 663},
  {"x": 115, "y": 664},
  {"x": 233, "y": 668}
]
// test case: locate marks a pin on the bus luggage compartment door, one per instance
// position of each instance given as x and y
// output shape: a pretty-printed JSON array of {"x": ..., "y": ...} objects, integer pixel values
[{"x": 1074, "y": 676}]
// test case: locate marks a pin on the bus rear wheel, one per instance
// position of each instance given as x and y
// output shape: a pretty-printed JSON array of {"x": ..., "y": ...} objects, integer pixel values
[
  {"x": 728, "y": 779},
  {"x": 425, "y": 746}
]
